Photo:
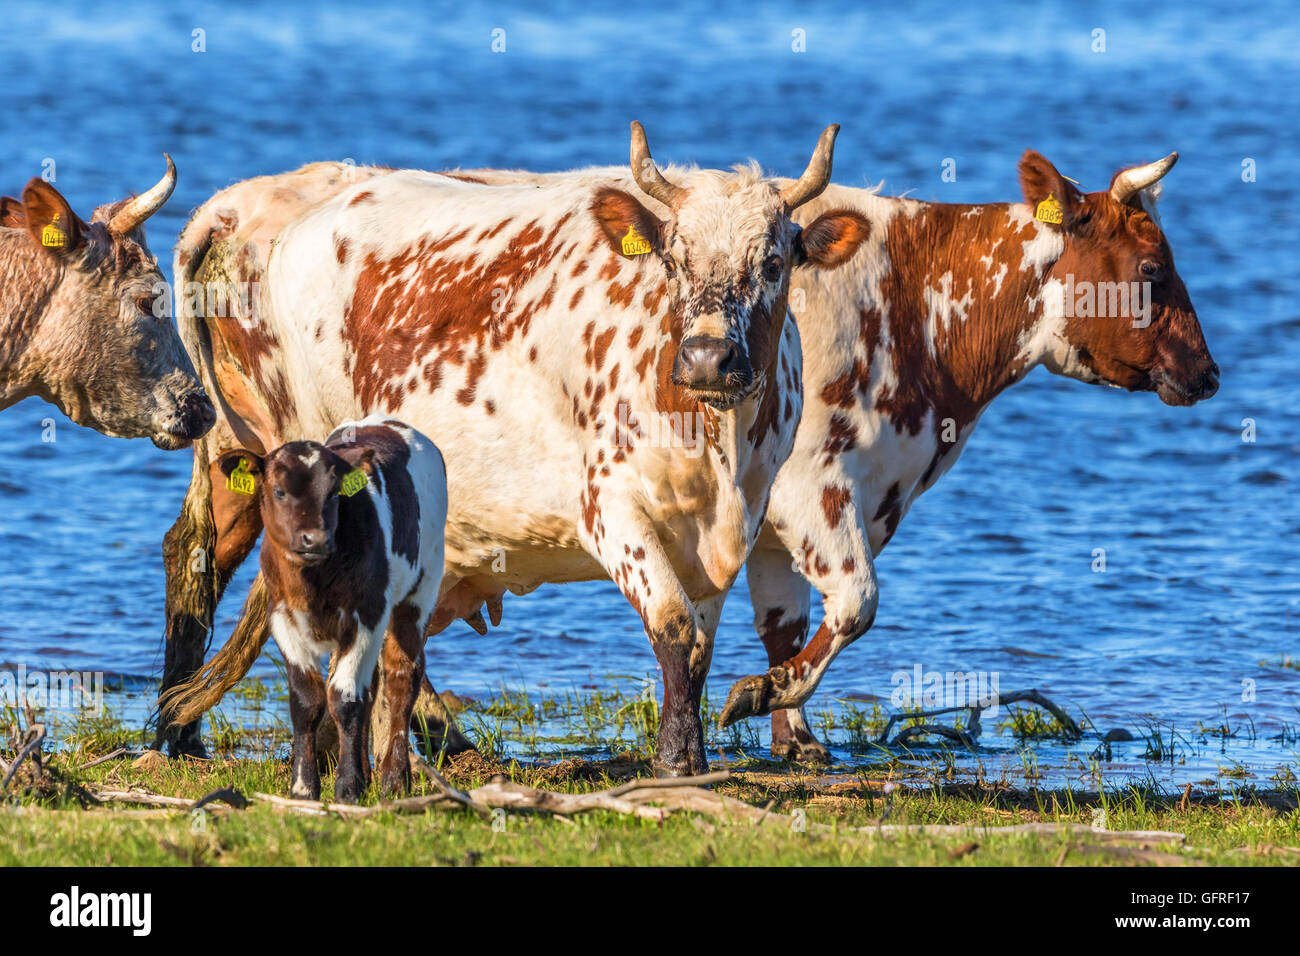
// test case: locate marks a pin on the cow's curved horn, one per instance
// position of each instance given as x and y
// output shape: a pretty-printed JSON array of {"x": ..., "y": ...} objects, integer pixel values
[
  {"x": 818, "y": 173},
  {"x": 1134, "y": 180},
  {"x": 647, "y": 174},
  {"x": 146, "y": 204}
]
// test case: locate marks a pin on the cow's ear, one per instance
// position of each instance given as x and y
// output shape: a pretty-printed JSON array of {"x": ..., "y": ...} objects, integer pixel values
[
  {"x": 50, "y": 219},
  {"x": 1051, "y": 197},
  {"x": 230, "y": 460},
  {"x": 11, "y": 213},
  {"x": 359, "y": 456},
  {"x": 629, "y": 227},
  {"x": 831, "y": 239}
]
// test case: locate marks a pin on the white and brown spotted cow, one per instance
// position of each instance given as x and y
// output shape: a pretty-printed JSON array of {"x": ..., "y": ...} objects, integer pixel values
[
  {"x": 940, "y": 309},
  {"x": 352, "y": 559},
  {"x": 547, "y": 338},
  {"x": 80, "y": 322}
]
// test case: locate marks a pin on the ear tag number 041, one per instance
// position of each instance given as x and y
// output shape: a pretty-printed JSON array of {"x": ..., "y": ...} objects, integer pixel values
[
  {"x": 635, "y": 244},
  {"x": 353, "y": 482},
  {"x": 240, "y": 481}
]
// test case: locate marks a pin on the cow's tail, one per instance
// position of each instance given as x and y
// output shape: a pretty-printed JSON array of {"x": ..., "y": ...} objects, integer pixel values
[{"x": 191, "y": 699}]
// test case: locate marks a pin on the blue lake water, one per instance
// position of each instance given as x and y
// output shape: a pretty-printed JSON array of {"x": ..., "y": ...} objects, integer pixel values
[{"x": 992, "y": 570}]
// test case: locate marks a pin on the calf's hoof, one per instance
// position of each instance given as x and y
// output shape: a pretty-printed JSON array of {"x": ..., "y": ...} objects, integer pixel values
[
  {"x": 304, "y": 791},
  {"x": 348, "y": 789}
]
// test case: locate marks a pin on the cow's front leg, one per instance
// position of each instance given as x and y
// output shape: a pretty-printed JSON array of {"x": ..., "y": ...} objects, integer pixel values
[
  {"x": 840, "y": 568},
  {"x": 306, "y": 705},
  {"x": 349, "y": 683},
  {"x": 625, "y": 543},
  {"x": 780, "y": 596}
]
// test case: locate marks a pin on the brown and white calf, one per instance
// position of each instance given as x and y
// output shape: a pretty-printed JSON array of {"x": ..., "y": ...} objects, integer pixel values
[
  {"x": 553, "y": 341},
  {"x": 940, "y": 309},
  {"x": 352, "y": 557},
  {"x": 82, "y": 318}
]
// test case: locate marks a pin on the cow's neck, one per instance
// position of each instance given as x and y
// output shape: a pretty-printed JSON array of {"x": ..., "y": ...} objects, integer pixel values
[
  {"x": 957, "y": 309},
  {"x": 28, "y": 281}
]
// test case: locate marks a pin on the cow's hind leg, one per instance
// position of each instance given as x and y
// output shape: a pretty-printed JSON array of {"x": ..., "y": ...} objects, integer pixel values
[
  {"x": 840, "y": 567},
  {"x": 401, "y": 665},
  {"x": 780, "y": 596},
  {"x": 306, "y": 705},
  {"x": 213, "y": 535}
]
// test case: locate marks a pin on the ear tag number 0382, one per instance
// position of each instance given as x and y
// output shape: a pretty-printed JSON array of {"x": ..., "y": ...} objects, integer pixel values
[
  {"x": 240, "y": 481},
  {"x": 1049, "y": 210},
  {"x": 635, "y": 244},
  {"x": 353, "y": 482}
]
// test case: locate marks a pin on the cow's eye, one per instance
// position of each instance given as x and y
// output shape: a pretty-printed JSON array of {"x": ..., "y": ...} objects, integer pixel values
[
  {"x": 772, "y": 267},
  {"x": 670, "y": 267},
  {"x": 145, "y": 303},
  {"x": 279, "y": 492},
  {"x": 1150, "y": 270}
]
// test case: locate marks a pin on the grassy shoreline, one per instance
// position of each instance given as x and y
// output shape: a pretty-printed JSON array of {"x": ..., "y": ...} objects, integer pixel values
[{"x": 49, "y": 825}]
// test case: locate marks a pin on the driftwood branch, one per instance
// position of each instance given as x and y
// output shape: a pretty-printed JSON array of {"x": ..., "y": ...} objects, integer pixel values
[
  {"x": 31, "y": 744},
  {"x": 967, "y": 737},
  {"x": 653, "y": 800}
]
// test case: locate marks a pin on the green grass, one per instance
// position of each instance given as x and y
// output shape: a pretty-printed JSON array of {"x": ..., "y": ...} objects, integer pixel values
[{"x": 1243, "y": 827}]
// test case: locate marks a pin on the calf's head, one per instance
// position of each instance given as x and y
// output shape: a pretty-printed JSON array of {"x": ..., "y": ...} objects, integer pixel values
[
  {"x": 726, "y": 247},
  {"x": 297, "y": 487},
  {"x": 99, "y": 339},
  {"x": 1127, "y": 318}
]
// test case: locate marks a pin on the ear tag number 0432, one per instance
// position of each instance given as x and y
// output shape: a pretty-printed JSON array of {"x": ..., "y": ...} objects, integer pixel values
[
  {"x": 1049, "y": 210},
  {"x": 240, "y": 481},
  {"x": 635, "y": 244},
  {"x": 353, "y": 482}
]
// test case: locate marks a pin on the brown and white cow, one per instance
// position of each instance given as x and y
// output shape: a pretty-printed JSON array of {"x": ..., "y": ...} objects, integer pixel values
[
  {"x": 940, "y": 309},
  {"x": 614, "y": 390},
  {"x": 80, "y": 324},
  {"x": 353, "y": 560}
]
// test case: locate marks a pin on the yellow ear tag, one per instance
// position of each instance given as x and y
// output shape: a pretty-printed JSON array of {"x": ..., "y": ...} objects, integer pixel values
[
  {"x": 1049, "y": 210},
  {"x": 240, "y": 481},
  {"x": 635, "y": 244},
  {"x": 353, "y": 482},
  {"x": 52, "y": 235}
]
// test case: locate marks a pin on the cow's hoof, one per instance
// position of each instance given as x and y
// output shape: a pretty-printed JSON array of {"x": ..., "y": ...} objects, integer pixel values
[
  {"x": 809, "y": 752},
  {"x": 661, "y": 769},
  {"x": 188, "y": 748},
  {"x": 749, "y": 697},
  {"x": 395, "y": 785}
]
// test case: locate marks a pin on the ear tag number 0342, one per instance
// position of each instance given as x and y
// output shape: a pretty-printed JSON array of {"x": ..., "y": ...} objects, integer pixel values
[
  {"x": 353, "y": 482},
  {"x": 240, "y": 481},
  {"x": 635, "y": 244}
]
